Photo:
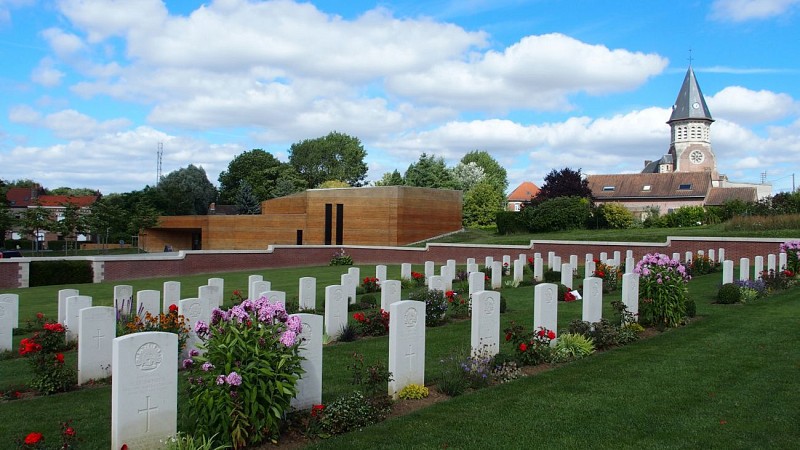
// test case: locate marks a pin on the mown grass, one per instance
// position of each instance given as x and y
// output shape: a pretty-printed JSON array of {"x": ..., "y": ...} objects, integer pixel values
[{"x": 728, "y": 380}]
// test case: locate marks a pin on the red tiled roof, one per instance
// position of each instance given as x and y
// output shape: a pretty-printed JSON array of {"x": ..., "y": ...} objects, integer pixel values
[
  {"x": 21, "y": 197},
  {"x": 60, "y": 200},
  {"x": 524, "y": 192}
]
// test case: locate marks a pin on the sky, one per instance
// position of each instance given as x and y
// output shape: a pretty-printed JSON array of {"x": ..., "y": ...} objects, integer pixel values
[{"x": 89, "y": 89}]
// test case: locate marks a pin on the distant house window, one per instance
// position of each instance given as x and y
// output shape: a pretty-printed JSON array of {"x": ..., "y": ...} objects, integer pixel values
[
  {"x": 608, "y": 188},
  {"x": 516, "y": 206},
  {"x": 646, "y": 187},
  {"x": 685, "y": 187}
]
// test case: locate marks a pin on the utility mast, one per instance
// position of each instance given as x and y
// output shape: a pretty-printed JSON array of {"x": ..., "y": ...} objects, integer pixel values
[{"x": 159, "y": 155}]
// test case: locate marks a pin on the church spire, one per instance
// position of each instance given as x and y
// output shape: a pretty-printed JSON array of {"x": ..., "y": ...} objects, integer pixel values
[{"x": 690, "y": 103}]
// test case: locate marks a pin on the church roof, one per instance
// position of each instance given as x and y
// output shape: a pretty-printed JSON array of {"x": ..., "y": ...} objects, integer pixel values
[
  {"x": 690, "y": 103},
  {"x": 524, "y": 192},
  {"x": 650, "y": 185},
  {"x": 653, "y": 166}
]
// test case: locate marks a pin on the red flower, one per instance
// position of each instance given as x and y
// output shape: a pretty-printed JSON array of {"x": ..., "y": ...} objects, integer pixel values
[
  {"x": 359, "y": 317},
  {"x": 54, "y": 327},
  {"x": 174, "y": 308},
  {"x": 60, "y": 358},
  {"x": 124, "y": 447},
  {"x": 523, "y": 347},
  {"x": 316, "y": 409},
  {"x": 508, "y": 337},
  {"x": 39, "y": 316},
  {"x": 69, "y": 431},
  {"x": 33, "y": 438},
  {"x": 530, "y": 260},
  {"x": 551, "y": 334}
]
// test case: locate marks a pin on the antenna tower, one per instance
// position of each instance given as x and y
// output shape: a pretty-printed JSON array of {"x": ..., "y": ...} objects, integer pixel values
[{"x": 159, "y": 155}]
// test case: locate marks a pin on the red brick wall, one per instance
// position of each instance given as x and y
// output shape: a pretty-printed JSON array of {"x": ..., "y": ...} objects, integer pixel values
[{"x": 188, "y": 263}]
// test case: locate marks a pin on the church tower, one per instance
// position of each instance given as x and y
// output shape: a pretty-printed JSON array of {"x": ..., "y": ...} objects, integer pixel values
[{"x": 690, "y": 122}]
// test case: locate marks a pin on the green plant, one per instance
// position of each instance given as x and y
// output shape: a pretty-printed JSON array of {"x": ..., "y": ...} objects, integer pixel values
[
  {"x": 478, "y": 365},
  {"x": 457, "y": 304},
  {"x": 372, "y": 322},
  {"x": 44, "y": 273},
  {"x": 347, "y": 413},
  {"x": 792, "y": 249},
  {"x": 611, "y": 275},
  {"x": 691, "y": 307},
  {"x": 370, "y": 284},
  {"x": 368, "y": 301},
  {"x": 505, "y": 371},
  {"x": 614, "y": 215},
  {"x": 701, "y": 265},
  {"x": 44, "y": 351},
  {"x": 551, "y": 276},
  {"x": 435, "y": 305},
  {"x": 530, "y": 347},
  {"x": 570, "y": 346},
  {"x": 241, "y": 387},
  {"x": 451, "y": 379},
  {"x": 183, "y": 441},
  {"x": 662, "y": 290},
  {"x": 729, "y": 293},
  {"x": 413, "y": 392},
  {"x": 341, "y": 258},
  {"x": 171, "y": 322},
  {"x": 36, "y": 440}
]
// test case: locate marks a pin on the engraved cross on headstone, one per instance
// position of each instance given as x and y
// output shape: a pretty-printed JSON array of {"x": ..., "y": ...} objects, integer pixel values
[
  {"x": 147, "y": 410},
  {"x": 410, "y": 355},
  {"x": 97, "y": 337}
]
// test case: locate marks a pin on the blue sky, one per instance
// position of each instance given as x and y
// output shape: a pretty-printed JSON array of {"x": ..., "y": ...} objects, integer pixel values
[{"x": 88, "y": 89}]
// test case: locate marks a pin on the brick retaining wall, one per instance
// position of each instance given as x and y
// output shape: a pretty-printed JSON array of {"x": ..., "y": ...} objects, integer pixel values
[{"x": 127, "y": 267}]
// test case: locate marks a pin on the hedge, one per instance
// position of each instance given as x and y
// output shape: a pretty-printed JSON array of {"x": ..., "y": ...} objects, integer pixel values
[
  {"x": 509, "y": 222},
  {"x": 46, "y": 273}
]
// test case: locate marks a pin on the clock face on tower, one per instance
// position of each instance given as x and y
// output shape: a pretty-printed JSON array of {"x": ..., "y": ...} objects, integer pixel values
[{"x": 696, "y": 157}]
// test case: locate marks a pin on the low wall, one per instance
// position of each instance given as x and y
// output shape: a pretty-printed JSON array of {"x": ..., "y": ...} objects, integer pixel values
[{"x": 13, "y": 272}]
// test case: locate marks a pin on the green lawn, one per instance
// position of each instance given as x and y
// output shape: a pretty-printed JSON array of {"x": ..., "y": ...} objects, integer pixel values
[{"x": 727, "y": 380}]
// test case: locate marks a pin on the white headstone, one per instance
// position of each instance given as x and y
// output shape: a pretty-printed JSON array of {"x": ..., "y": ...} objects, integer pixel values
[
  {"x": 630, "y": 293},
  {"x": 9, "y": 303},
  {"x": 472, "y": 267},
  {"x": 258, "y": 288},
  {"x": 617, "y": 257},
  {"x": 7, "y": 319},
  {"x": 348, "y": 283},
  {"x": 355, "y": 281},
  {"x": 309, "y": 386},
  {"x": 556, "y": 264},
  {"x": 97, "y": 328},
  {"x": 335, "y": 311},
  {"x": 144, "y": 390},
  {"x": 771, "y": 260},
  {"x": 592, "y": 299},
  {"x": 447, "y": 280},
  {"x": 589, "y": 257},
  {"x": 210, "y": 294},
  {"x": 380, "y": 273},
  {"x": 758, "y": 267},
  {"x": 436, "y": 283},
  {"x": 148, "y": 301},
  {"x": 538, "y": 269},
  {"x": 744, "y": 269},
  {"x": 628, "y": 253},
  {"x": 588, "y": 269},
  {"x": 712, "y": 255},
  {"x": 545, "y": 307},
  {"x": 630, "y": 264},
  {"x": 782, "y": 261},
  {"x": 487, "y": 262},
  {"x": 566, "y": 275},
  {"x": 551, "y": 259},
  {"x": 451, "y": 268},
  {"x": 62, "y": 302},
  {"x": 485, "y": 322},
  {"x": 74, "y": 305},
  {"x": 603, "y": 256},
  {"x": 405, "y": 271},
  {"x": 406, "y": 345},
  {"x": 308, "y": 293},
  {"x": 476, "y": 282},
  {"x": 727, "y": 271},
  {"x": 390, "y": 293},
  {"x": 194, "y": 310},
  {"x": 573, "y": 263},
  {"x": 721, "y": 254},
  {"x": 219, "y": 284},
  {"x": 687, "y": 258},
  {"x": 497, "y": 275},
  {"x": 507, "y": 260},
  {"x": 701, "y": 253},
  {"x": 276, "y": 297},
  {"x": 172, "y": 295},
  {"x": 123, "y": 299},
  {"x": 519, "y": 269},
  {"x": 251, "y": 291},
  {"x": 430, "y": 270}
]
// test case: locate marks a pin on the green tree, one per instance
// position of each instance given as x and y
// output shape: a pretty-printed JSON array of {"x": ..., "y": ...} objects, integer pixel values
[
  {"x": 563, "y": 183},
  {"x": 557, "y": 214},
  {"x": 429, "y": 171},
  {"x": 246, "y": 201},
  {"x": 72, "y": 192},
  {"x": 7, "y": 222},
  {"x": 71, "y": 222},
  {"x": 258, "y": 168},
  {"x": 108, "y": 219},
  {"x": 390, "y": 179},
  {"x": 482, "y": 203},
  {"x": 492, "y": 170},
  {"x": 614, "y": 216},
  {"x": 35, "y": 221},
  {"x": 186, "y": 191},
  {"x": 336, "y": 156},
  {"x": 467, "y": 175}
]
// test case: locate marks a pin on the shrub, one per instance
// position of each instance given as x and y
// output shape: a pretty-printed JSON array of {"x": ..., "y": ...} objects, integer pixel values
[
  {"x": 341, "y": 258},
  {"x": 557, "y": 214},
  {"x": 611, "y": 275},
  {"x": 792, "y": 249},
  {"x": 347, "y": 413},
  {"x": 48, "y": 273},
  {"x": 435, "y": 305},
  {"x": 509, "y": 222},
  {"x": 551, "y": 276},
  {"x": 701, "y": 265},
  {"x": 530, "y": 347},
  {"x": 349, "y": 333},
  {"x": 43, "y": 350},
  {"x": 729, "y": 293},
  {"x": 777, "y": 281},
  {"x": 413, "y": 392},
  {"x": 686, "y": 216},
  {"x": 457, "y": 304},
  {"x": 372, "y": 322},
  {"x": 662, "y": 290},
  {"x": 614, "y": 216},
  {"x": 369, "y": 284},
  {"x": 751, "y": 289},
  {"x": 241, "y": 387},
  {"x": 572, "y": 346}
]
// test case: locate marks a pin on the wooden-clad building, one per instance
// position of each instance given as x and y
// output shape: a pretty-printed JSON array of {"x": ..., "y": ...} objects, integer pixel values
[{"x": 386, "y": 215}]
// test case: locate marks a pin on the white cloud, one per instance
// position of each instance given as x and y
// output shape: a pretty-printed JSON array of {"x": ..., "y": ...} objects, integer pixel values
[
  {"x": 744, "y": 10},
  {"x": 46, "y": 74},
  {"x": 746, "y": 106},
  {"x": 66, "y": 124},
  {"x": 105, "y": 18},
  {"x": 7, "y": 5},
  {"x": 533, "y": 73}
]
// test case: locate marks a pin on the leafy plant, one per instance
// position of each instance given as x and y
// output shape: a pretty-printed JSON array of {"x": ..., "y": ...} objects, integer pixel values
[
  {"x": 729, "y": 293},
  {"x": 44, "y": 351},
  {"x": 451, "y": 379},
  {"x": 171, "y": 322},
  {"x": 457, "y": 304},
  {"x": 183, "y": 441},
  {"x": 372, "y": 322},
  {"x": 349, "y": 333},
  {"x": 572, "y": 346},
  {"x": 662, "y": 290},
  {"x": 530, "y": 347},
  {"x": 370, "y": 284},
  {"x": 792, "y": 250},
  {"x": 347, "y": 413},
  {"x": 241, "y": 387},
  {"x": 435, "y": 305},
  {"x": 341, "y": 258},
  {"x": 611, "y": 275},
  {"x": 413, "y": 392}
]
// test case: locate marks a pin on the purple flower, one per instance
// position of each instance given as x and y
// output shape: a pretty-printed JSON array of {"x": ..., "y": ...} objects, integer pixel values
[
  {"x": 193, "y": 353},
  {"x": 288, "y": 338},
  {"x": 295, "y": 324},
  {"x": 234, "y": 379},
  {"x": 220, "y": 379},
  {"x": 187, "y": 363},
  {"x": 201, "y": 328},
  {"x": 207, "y": 366}
]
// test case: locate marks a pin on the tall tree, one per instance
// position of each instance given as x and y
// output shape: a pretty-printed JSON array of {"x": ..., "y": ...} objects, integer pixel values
[
  {"x": 390, "y": 179},
  {"x": 246, "y": 201},
  {"x": 465, "y": 176},
  {"x": 482, "y": 203},
  {"x": 563, "y": 183},
  {"x": 258, "y": 167},
  {"x": 72, "y": 192},
  {"x": 336, "y": 156},
  {"x": 493, "y": 171},
  {"x": 429, "y": 171},
  {"x": 35, "y": 221},
  {"x": 7, "y": 222},
  {"x": 187, "y": 191}
]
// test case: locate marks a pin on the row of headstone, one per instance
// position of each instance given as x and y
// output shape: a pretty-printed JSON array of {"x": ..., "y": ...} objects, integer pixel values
[{"x": 773, "y": 264}]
